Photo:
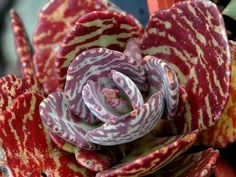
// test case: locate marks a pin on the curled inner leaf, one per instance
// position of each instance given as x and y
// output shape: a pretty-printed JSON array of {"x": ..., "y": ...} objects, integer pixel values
[
  {"x": 161, "y": 77},
  {"x": 130, "y": 127},
  {"x": 96, "y": 64},
  {"x": 56, "y": 115}
]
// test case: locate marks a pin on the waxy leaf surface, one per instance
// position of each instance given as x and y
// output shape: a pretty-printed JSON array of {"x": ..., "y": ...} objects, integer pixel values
[
  {"x": 149, "y": 154},
  {"x": 11, "y": 86},
  {"x": 93, "y": 160},
  {"x": 161, "y": 77},
  {"x": 28, "y": 150},
  {"x": 105, "y": 29},
  {"x": 96, "y": 64},
  {"x": 131, "y": 126},
  {"x": 55, "y": 113},
  {"x": 55, "y": 20},
  {"x": 198, "y": 164},
  {"x": 191, "y": 36},
  {"x": 224, "y": 131},
  {"x": 23, "y": 48}
]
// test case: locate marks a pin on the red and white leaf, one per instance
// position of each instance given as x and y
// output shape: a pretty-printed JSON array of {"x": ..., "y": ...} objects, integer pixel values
[
  {"x": 131, "y": 126},
  {"x": 199, "y": 164},
  {"x": 55, "y": 20},
  {"x": 161, "y": 77},
  {"x": 191, "y": 37},
  {"x": 96, "y": 64},
  {"x": 27, "y": 147},
  {"x": 11, "y": 86},
  {"x": 129, "y": 88},
  {"x": 150, "y": 154},
  {"x": 93, "y": 160},
  {"x": 223, "y": 132},
  {"x": 105, "y": 29},
  {"x": 55, "y": 113},
  {"x": 23, "y": 48}
]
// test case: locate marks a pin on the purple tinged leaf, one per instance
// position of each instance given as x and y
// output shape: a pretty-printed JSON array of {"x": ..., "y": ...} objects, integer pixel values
[
  {"x": 200, "y": 164},
  {"x": 58, "y": 118},
  {"x": 96, "y": 64},
  {"x": 132, "y": 126},
  {"x": 92, "y": 160},
  {"x": 149, "y": 154},
  {"x": 95, "y": 101},
  {"x": 161, "y": 77},
  {"x": 129, "y": 87}
]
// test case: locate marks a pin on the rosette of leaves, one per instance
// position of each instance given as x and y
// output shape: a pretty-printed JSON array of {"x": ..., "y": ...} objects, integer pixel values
[{"x": 100, "y": 92}]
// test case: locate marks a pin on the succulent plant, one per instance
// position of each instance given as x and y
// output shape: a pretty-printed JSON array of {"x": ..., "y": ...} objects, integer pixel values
[{"x": 103, "y": 96}]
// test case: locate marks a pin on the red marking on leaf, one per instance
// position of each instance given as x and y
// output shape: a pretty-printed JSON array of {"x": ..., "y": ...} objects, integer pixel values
[
  {"x": 93, "y": 160},
  {"x": 55, "y": 19},
  {"x": 12, "y": 86},
  {"x": 198, "y": 164},
  {"x": 23, "y": 48},
  {"x": 224, "y": 131},
  {"x": 191, "y": 36},
  {"x": 28, "y": 149},
  {"x": 45, "y": 69},
  {"x": 149, "y": 154},
  {"x": 97, "y": 29}
]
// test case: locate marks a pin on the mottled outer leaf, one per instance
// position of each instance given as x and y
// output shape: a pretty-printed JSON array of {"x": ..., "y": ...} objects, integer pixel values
[
  {"x": 11, "y": 86},
  {"x": 150, "y": 154},
  {"x": 93, "y": 160},
  {"x": 22, "y": 45},
  {"x": 224, "y": 132},
  {"x": 105, "y": 29},
  {"x": 55, "y": 20},
  {"x": 198, "y": 164},
  {"x": 55, "y": 113},
  {"x": 96, "y": 64},
  {"x": 28, "y": 149},
  {"x": 131, "y": 126},
  {"x": 191, "y": 37}
]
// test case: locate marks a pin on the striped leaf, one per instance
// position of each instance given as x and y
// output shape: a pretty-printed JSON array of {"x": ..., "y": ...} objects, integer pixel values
[
  {"x": 96, "y": 64},
  {"x": 105, "y": 29},
  {"x": 199, "y": 164},
  {"x": 11, "y": 87},
  {"x": 191, "y": 37},
  {"x": 131, "y": 126},
  {"x": 26, "y": 149},
  {"x": 55, "y": 113},
  {"x": 223, "y": 132},
  {"x": 161, "y": 77},
  {"x": 23, "y": 47},
  {"x": 149, "y": 154},
  {"x": 93, "y": 160},
  {"x": 55, "y": 20}
]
